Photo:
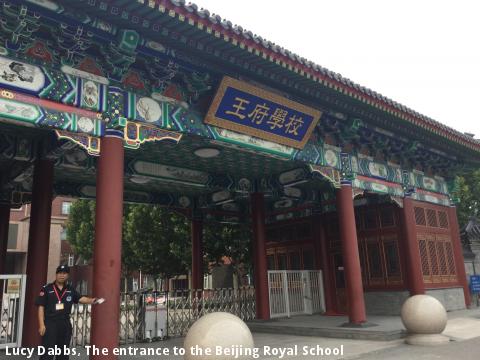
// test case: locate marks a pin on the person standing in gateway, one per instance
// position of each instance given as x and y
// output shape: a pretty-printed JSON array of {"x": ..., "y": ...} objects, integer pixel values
[{"x": 54, "y": 305}]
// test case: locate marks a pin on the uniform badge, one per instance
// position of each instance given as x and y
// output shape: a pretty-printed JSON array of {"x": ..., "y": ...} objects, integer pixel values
[{"x": 69, "y": 298}]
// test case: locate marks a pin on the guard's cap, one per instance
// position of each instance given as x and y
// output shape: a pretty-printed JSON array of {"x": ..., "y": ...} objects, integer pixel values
[{"x": 63, "y": 268}]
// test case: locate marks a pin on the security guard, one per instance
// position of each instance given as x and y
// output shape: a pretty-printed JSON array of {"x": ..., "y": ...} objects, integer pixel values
[{"x": 54, "y": 305}]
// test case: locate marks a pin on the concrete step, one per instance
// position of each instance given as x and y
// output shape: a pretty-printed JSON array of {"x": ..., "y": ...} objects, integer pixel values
[{"x": 328, "y": 332}]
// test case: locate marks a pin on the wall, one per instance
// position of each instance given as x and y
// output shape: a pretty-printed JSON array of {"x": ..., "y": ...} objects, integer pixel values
[
  {"x": 385, "y": 302},
  {"x": 451, "y": 298},
  {"x": 54, "y": 250},
  {"x": 16, "y": 257}
]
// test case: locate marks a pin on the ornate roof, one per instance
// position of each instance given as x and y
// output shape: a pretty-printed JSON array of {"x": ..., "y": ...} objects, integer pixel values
[{"x": 216, "y": 26}]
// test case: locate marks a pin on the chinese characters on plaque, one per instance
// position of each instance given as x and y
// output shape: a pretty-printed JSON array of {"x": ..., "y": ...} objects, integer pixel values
[{"x": 253, "y": 111}]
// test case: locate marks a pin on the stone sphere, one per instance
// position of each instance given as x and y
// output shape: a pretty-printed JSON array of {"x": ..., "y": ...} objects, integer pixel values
[
  {"x": 423, "y": 314},
  {"x": 219, "y": 329}
]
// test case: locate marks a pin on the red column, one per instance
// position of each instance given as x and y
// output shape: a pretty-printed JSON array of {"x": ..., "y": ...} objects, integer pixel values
[
  {"x": 328, "y": 286},
  {"x": 351, "y": 258},
  {"x": 108, "y": 246},
  {"x": 38, "y": 244},
  {"x": 413, "y": 260},
  {"x": 260, "y": 256},
  {"x": 458, "y": 253},
  {"x": 197, "y": 253},
  {"x": 4, "y": 222}
]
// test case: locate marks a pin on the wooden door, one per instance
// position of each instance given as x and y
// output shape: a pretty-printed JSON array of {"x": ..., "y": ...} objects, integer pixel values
[{"x": 339, "y": 279}]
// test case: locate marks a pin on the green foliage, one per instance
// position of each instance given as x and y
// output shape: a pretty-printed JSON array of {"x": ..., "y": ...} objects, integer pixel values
[
  {"x": 467, "y": 191},
  {"x": 158, "y": 240},
  {"x": 81, "y": 227},
  {"x": 230, "y": 240}
]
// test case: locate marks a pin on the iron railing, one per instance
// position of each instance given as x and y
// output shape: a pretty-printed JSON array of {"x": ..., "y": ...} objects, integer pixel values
[
  {"x": 184, "y": 307},
  {"x": 147, "y": 316}
]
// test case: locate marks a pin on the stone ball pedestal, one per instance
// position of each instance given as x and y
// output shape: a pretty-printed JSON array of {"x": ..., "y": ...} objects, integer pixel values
[
  {"x": 218, "y": 329},
  {"x": 425, "y": 319}
]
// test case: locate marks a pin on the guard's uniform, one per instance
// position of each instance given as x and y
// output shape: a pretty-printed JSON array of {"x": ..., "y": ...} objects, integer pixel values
[{"x": 58, "y": 304}]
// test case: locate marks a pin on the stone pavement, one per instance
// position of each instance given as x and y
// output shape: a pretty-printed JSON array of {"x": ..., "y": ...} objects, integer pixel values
[
  {"x": 463, "y": 328},
  {"x": 464, "y": 350},
  {"x": 462, "y": 323}
]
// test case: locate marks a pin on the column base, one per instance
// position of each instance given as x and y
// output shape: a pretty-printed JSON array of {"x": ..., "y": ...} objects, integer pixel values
[{"x": 358, "y": 325}]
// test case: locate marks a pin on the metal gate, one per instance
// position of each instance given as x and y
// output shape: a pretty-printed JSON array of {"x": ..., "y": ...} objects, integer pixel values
[
  {"x": 147, "y": 316},
  {"x": 12, "y": 303},
  {"x": 293, "y": 292}
]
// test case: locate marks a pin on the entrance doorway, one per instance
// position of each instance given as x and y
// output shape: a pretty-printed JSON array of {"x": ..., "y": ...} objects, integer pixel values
[{"x": 339, "y": 277}]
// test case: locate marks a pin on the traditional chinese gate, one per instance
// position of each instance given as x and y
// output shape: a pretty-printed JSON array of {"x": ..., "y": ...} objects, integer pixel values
[
  {"x": 12, "y": 302},
  {"x": 295, "y": 292}
]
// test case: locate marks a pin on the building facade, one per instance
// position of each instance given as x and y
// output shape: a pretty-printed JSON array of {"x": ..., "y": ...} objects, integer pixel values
[
  {"x": 161, "y": 102},
  {"x": 60, "y": 251}
]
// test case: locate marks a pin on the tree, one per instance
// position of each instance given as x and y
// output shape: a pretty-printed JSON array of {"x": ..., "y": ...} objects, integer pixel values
[
  {"x": 467, "y": 192},
  {"x": 81, "y": 233},
  {"x": 229, "y": 240},
  {"x": 158, "y": 240},
  {"x": 81, "y": 227}
]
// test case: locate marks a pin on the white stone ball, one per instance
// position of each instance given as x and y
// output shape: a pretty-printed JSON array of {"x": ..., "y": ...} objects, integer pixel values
[
  {"x": 423, "y": 314},
  {"x": 218, "y": 329}
]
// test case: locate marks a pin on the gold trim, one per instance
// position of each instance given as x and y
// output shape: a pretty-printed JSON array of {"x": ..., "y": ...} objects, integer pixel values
[{"x": 211, "y": 119}]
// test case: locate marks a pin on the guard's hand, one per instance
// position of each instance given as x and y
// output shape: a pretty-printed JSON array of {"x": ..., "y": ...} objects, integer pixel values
[{"x": 41, "y": 330}]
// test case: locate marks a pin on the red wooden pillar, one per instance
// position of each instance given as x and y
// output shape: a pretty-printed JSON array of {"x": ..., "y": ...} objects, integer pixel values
[
  {"x": 4, "y": 223},
  {"x": 458, "y": 254},
  {"x": 38, "y": 244},
  {"x": 351, "y": 257},
  {"x": 328, "y": 286},
  {"x": 260, "y": 256},
  {"x": 108, "y": 245},
  {"x": 413, "y": 259},
  {"x": 197, "y": 253}
]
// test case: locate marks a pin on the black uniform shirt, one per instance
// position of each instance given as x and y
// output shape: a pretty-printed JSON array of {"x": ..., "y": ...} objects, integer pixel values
[{"x": 48, "y": 298}]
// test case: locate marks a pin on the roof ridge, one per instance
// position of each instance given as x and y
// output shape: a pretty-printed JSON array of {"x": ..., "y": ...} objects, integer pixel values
[{"x": 217, "y": 21}]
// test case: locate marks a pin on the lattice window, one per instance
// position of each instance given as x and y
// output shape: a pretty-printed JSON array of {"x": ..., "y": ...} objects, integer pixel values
[
  {"x": 387, "y": 217},
  {"x": 375, "y": 268},
  {"x": 422, "y": 244},
  {"x": 432, "y": 218},
  {"x": 441, "y": 258},
  {"x": 392, "y": 258},
  {"x": 450, "y": 259},
  {"x": 432, "y": 253},
  {"x": 443, "y": 219},
  {"x": 435, "y": 242},
  {"x": 420, "y": 216},
  {"x": 363, "y": 260}
]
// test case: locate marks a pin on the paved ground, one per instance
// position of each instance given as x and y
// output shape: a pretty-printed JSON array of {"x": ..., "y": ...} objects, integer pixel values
[
  {"x": 262, "y": 342},
  {"x": 464, "y": 350},
  {"x": 463, "y": 328}
]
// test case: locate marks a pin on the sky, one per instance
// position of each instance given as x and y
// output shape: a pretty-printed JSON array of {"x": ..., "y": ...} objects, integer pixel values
[{"x": 423, "y": 54}]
